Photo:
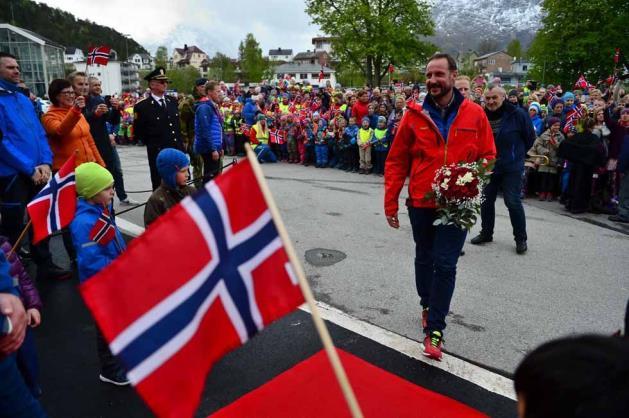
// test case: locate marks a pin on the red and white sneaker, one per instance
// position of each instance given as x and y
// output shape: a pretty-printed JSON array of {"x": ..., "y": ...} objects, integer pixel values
[
  {"x": 424, "y": 319},
  {"x": 432, "y": 345}
]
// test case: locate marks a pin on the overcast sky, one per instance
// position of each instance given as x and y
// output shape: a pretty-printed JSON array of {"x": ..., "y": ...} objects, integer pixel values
[{"x": 212, "y": 25}]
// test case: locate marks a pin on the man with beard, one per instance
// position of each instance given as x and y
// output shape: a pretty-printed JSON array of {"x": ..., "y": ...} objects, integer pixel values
[
  {"x": 514, "y": 136},
  {"x": 445, "y": 129}
]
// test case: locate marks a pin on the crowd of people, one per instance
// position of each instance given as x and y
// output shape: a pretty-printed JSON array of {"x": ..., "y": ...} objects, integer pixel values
[{"x": 546, "y": 142}]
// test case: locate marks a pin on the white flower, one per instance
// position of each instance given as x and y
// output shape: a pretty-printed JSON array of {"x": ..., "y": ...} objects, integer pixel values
[
  {"x": 463, "y": 180},
  {"x": 444, "y": 185}
]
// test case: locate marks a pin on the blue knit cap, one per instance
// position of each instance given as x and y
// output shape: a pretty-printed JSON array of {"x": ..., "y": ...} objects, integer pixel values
[
  {"x": 169, "y": 162},
  {"x": 567, "y": 96}
]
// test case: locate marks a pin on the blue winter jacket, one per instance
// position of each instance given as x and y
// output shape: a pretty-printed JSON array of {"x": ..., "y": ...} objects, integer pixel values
[
  {"x": 249, "y": 112},
  {"x": 24, "y": 145},
  {"x": 91, "y": 256},
  {"x": 351, "y": 133},
  {"x": 514, "y": 139},
  {"x": 208, "y": 129},
  {"x": 443, "y": 122},
  {"x": 538, "y": 124}
]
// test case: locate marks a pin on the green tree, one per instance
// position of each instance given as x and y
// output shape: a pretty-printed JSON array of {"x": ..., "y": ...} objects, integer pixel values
[
  {"x": 222, "y": 68},
  {"x": 578, "y": 36},
  {"x": 371, "y": 34},
  {"x": 161, "y": 57},
  {"x": 182, "y": 79},
  {"x": 252, "y": 64},
  {"x": 514, "y": 48}
]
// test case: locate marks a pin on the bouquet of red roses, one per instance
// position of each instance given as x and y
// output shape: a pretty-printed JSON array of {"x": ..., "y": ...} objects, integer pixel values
[{"x": 458, "y": 192}]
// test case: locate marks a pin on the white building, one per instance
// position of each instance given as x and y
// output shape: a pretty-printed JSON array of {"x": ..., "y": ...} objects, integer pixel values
[
  {"x": 193, "y": 56},
  {"x": 143, "y": 61},
  {"x": 280, "y": 54},
  {"x": 322, "y": 43},
  {"x": 116, "y": 77},
  {"x": 73, "y": 54},
  {"x": 305, "y": 71}
]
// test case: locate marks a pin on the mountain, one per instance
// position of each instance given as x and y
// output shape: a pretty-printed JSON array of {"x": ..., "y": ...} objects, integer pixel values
[
  {"x": 63, "y": 28},
  {"x": 462, "y": 24}
]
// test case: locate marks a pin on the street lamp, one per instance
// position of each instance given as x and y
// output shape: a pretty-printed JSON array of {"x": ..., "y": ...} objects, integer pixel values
[{"x": 126, "y": 43}]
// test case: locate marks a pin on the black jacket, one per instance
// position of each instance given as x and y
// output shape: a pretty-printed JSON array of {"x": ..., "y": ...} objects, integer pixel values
[
  {"x": 98, "y": 128},
  {"x": 155, "y": 126},
  {"x": 514, "y": 139}
]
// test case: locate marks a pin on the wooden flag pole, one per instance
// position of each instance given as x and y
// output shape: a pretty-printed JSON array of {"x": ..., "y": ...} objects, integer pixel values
[
  {"x": 324, "y": 334},
  {"x": 20, "y": 238}
]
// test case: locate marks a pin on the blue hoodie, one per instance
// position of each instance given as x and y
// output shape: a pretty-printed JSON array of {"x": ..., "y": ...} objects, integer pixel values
[
  {"x": 249, "y": 112},
  {"x": 24, "y": 145},
  {"x": 91, "y": 256}
]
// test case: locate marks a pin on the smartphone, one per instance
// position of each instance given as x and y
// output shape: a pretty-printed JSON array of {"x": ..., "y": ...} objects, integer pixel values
[{"x": 5, "y": 325}]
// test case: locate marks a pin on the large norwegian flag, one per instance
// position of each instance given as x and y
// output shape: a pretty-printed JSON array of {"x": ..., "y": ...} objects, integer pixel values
[
  {"x": 201, "y": 281},
  {"x": 54, "y": 206},
  {"x": 98, "y": 55}
]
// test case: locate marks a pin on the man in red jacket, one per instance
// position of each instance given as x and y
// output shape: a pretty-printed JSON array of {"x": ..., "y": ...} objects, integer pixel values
[{"x": 444, "y": 129}]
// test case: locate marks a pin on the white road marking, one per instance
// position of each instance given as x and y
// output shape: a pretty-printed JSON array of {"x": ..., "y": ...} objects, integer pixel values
[{"x": 484, "y": 378}]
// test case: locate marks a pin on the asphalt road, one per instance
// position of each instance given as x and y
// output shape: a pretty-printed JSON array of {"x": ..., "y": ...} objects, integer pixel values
[{"x": 572, "y": 280}]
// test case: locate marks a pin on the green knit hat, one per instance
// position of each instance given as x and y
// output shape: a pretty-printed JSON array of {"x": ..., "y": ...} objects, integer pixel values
[{"x": 92, "y": 179}]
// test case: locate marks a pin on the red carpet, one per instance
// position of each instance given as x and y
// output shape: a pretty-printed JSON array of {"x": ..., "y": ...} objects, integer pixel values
[{"x": 310, "y": 390}]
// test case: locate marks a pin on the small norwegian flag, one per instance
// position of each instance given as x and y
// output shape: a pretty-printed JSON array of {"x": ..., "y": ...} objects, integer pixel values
[
  {"x": 54, "y": 206},
  {"x": 582, "y": 83},
  {"x": 617, "y": 56},
  {"x": 573, "y": 116},
  {"x": 391, "y": 68},
  {"x": 98, "y": 55},
  {"x": 103, "y": 231}
]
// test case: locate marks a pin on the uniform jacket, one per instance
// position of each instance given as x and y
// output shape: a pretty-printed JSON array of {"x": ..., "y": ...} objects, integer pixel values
[
  {"x": 162, "y": 199},
  {"x": 186, "y": 121},
  {"x": 514, "y": 139},
  {"x": 68, "y": 131},
  {"x": 23, "y": 142},
  {"x": 208, "y": 128},
  {"x": 419, "y": 150},
  {"x": 157, "y": 127},
  {"x": 98, "y": 127},
  {"x": 91, "y": 256},
  {"x": 28, "y": 291}
]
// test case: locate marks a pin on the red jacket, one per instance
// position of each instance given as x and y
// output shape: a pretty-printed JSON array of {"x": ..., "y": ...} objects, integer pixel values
[
  {"x": 359, "y": 111},
  {"x": 419, "y": 150}
]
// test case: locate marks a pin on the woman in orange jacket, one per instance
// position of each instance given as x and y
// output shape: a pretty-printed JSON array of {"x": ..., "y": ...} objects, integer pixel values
[{"x": 67, "y": 128}]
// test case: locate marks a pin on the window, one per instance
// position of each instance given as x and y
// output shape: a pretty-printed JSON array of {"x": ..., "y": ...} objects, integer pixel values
[
  {"x": 492, "y": 62},
  {"x": 525, "y": 67},
  {"x": 303, "y": 76}
]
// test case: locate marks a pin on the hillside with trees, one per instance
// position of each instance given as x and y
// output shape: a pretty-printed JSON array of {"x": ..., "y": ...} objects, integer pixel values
[{"x": 63, "y": 28}]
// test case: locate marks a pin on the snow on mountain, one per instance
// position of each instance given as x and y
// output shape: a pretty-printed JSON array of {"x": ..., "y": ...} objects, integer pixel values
[{"x": 463, "y": 24}]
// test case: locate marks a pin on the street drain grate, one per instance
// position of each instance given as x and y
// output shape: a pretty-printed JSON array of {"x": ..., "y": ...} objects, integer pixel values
[{"x": 321, "y": 257}]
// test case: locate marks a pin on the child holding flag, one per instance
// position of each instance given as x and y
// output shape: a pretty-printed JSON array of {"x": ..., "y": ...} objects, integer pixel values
[{"x": 97, "y": 242}]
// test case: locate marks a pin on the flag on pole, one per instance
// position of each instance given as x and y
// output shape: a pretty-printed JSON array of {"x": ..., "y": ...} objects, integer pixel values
[
  {"x": 98, "y": 55},
  {"x": 54, "y": 206},
  {"x": 573, "y": 116},
  {"x": 169, "y": 313},
  {"x": 582, "y": 83},
  {"x": 391, "y": 69},
  {"x": 617, "y": 56}
]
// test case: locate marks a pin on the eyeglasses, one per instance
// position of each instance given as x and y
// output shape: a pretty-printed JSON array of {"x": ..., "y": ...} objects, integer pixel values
[{"x": 67, "y": 93}]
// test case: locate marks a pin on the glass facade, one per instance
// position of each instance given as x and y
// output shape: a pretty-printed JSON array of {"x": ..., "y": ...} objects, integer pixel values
[{"x": 39, "y": 64}]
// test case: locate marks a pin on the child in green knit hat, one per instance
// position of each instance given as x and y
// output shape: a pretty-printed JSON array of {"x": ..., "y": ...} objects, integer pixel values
[{"x": 98, "y": 242}]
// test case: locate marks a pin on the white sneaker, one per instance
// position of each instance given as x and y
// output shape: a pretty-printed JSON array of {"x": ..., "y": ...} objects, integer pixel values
[{"x": 129, "y": 202}]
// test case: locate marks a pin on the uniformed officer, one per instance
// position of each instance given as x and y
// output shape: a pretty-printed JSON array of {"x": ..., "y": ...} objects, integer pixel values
[{"x": 156, "y": 121}]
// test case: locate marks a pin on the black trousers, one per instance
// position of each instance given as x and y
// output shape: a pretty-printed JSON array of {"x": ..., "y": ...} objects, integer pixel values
[
  {"x": 152, "y": 156},
  {"x": 580, "y": 187},
  {"x": 211, "y": 167}
]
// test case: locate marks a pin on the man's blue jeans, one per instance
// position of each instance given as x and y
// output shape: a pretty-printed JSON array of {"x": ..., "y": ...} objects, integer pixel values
[
  {"x": 264, "y": 153},
  {"x": 511, "y": 185},
  {"x": 437, "y": 251},
  {"x": 16, "y": 400}
]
